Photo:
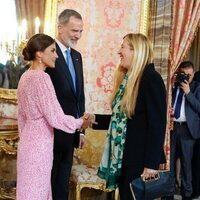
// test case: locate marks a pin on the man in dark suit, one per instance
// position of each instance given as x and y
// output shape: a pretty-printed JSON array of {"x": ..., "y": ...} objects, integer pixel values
[
  {"x": 186, "y": 106},
  {"x": 67, "y": 78}
]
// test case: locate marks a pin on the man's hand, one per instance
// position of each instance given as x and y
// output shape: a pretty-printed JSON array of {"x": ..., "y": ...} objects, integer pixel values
[
  {"x": 185, "y": 87},
  {"x": 85, "y": 125},
  {"x": 88, "y": 121},
  {"x": 81, "y": 141},
  {"x": 90, "y": 118}
]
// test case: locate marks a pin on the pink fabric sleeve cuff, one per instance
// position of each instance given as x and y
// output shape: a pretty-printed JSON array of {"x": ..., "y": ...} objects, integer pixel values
[{"x": 79, "y": 123}]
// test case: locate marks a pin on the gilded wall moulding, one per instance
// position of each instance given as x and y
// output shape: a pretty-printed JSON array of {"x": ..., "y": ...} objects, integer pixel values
[{"x": 144, "y": 17}]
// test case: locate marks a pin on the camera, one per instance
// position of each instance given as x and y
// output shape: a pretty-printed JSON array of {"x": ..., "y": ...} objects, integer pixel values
[{"x": 181, "y": 77}]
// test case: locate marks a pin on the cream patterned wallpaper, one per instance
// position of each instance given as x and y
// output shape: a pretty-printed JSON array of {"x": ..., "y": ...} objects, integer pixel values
[{"x": 105, "y": 24}]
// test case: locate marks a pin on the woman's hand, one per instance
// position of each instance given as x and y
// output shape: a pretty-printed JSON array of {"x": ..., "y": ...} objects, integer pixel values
[
  {"x": 148, "y": 174},
  {"x": 88, "y": 120},
  {"x": 91, "y": 118},
  {"x": 86, "y": 123}
]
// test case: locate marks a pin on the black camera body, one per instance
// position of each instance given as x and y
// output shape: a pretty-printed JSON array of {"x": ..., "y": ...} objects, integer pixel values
[{"x": 181, "y": 77}]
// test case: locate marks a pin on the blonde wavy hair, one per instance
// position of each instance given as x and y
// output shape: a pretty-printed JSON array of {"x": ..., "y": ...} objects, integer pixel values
[{"x": 142, "y": 56}]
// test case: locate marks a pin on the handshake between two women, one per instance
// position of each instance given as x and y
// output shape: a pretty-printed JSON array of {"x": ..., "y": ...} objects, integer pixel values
[{"x": 88, "y": 121}]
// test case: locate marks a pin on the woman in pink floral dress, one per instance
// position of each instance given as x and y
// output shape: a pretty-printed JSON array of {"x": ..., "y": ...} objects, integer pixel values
[{"x": 38, "y": 112}]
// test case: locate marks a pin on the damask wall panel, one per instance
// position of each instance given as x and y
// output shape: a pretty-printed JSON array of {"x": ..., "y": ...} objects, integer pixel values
[{"x": 105, "y": 24}]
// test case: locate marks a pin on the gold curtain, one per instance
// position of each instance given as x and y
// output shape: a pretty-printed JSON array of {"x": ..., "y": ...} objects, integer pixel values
[{"x": 30, "y": 9}]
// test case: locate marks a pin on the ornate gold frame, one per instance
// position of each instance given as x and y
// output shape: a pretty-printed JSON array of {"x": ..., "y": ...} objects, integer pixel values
[{"x": 144, "y": 17}]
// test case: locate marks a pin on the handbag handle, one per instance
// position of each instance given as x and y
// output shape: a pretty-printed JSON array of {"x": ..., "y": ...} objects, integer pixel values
[{"x": 152, "y": 178}]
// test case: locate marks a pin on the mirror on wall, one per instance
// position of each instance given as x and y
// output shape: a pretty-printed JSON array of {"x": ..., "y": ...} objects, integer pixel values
[
  {"x": 8, "y": 44},
  {"x": 17, "y": 28},
  {"x": 11, "y": 72},
  {"x": 12, "y": 40}
]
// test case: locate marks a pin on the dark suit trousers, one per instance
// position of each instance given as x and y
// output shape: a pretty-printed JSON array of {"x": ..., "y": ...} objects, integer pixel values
[
  {"x": 62, "y": 164},
  {"x": 182, "y": 145}
]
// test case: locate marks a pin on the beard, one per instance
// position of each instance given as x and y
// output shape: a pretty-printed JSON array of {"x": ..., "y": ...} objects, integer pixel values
[{"x": 69, "y": 43}]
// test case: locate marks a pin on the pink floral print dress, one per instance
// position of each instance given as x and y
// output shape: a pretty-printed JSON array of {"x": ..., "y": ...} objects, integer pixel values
[{"x": 38, "y": 112}]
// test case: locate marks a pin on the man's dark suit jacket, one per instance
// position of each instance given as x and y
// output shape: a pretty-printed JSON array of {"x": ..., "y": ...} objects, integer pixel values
[
  {"x": 72, "y": 103},
  {"x": 146, "y": 130},
  {"x": 192, "y": 109}
]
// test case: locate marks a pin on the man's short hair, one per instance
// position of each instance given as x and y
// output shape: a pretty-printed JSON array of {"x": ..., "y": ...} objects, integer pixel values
[
  {"x": 65, "y": 15},
  {"x": 186, "y": 64}
]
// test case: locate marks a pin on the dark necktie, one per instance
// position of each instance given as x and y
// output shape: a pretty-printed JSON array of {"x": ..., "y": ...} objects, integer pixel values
[
  {"x": 178, "y": 104},
  {"x": 71, "y": 67}
]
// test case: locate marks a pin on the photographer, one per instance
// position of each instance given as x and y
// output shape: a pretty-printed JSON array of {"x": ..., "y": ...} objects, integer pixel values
[{"x": 186, "y": 108}]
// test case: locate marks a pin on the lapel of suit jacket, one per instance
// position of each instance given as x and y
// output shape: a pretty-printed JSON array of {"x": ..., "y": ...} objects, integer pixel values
[{"x": 65, "y": 69}]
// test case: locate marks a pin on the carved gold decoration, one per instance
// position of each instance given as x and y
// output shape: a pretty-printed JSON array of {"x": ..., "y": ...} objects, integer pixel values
[
  {"x": 8, "y": 146},
  {"x": 8, "y": 95},
  {"x": 97, "y": 186},
  {"x": 8, "y": 142},
  {"x": 7, "y": 194}
]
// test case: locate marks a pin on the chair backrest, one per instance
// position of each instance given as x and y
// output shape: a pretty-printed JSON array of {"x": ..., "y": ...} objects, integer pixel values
[{"x": 91, "y": 154}]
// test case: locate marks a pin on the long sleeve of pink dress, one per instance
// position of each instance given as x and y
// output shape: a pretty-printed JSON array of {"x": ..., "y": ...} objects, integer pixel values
[
  {"x": 51, "y": 109},
  {"x": 38, "y": 112}
]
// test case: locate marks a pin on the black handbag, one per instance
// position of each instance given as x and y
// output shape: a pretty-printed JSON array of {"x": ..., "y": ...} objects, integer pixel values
[{"x": 158, "y": 186}]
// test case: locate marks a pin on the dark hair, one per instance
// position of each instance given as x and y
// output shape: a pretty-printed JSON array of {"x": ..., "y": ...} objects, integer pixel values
[
  {"x": 38, "y": 42},
  {"x": 186, "y": 64},
  {"x": 65, "y": 15}
]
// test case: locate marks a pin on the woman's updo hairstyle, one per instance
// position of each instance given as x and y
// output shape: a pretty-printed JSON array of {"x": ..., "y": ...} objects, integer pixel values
[{"x": 38, "y": 42}]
